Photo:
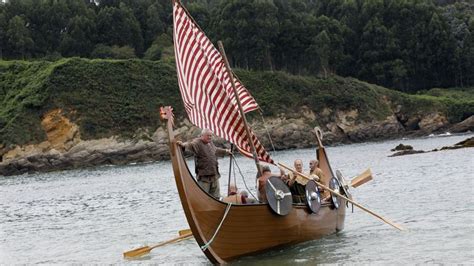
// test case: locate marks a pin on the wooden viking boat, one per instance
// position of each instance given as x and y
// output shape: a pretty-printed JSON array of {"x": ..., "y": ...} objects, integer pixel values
[
  {"x": 214, "y": 98},
  {"x": 225, "y": 231},
  {"x": 248, "y": 229}
]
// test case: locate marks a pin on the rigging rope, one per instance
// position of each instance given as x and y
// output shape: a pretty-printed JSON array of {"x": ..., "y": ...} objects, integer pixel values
[
  {"x": 243, "y": 179},
  {"x": 206, "y": 246},
  {"x": 266, "y": 129},
  {"x": 235, "y": 179},
  {"x": 230, "y": 170}
]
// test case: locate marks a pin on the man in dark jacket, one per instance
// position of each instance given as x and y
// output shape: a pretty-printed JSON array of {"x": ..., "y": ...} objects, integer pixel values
[{"x": 205, "y": 159}]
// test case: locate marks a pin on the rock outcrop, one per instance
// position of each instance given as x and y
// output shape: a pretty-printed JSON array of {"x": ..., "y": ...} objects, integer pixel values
[
  {"x": 64, "y": 148},
  {"x": 467, "y": 143},
  {"x": 406, "y": 152},
  {"x": 402, "y": 149},
  {"x": 432, "y": 122},
  {"x": 463, "y": 126}
]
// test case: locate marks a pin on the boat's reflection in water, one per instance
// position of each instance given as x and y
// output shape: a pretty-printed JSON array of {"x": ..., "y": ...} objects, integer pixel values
[{"x": 321, "y": 251}]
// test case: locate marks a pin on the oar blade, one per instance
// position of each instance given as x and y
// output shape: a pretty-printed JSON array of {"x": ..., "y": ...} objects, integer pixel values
[
  {"x": 361, "y": 179},
  {"x": 137, "y": 252},
  {"x": 146, "y": 249},
  {"x": 184, "y": 232}
]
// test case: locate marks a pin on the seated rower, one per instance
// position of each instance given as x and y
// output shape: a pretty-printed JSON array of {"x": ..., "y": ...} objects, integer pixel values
[
  {"x": 235, "y": 197},
  {"x": 317, "y": 174},
  {"x": 248, "y": 200},
  {"x": 297, "y": 183},
  {"x": 262, "y": 180}
]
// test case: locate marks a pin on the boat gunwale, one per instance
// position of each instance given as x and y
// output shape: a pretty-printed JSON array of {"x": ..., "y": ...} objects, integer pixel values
[{"x": 295, "y": 205}]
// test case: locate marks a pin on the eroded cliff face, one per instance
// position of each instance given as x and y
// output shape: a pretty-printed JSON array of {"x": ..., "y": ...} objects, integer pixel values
[
  {"x": 64, "y": 148},
  {"x": 61, "y": 133},
  {"x": 61, "y": 136}
]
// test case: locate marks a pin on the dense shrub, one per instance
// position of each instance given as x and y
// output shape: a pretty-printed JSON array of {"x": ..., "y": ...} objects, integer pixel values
[{"x": 118, "y": 97}]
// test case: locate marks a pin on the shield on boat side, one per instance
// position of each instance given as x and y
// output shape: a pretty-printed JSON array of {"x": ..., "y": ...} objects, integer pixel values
[
  {"x": 344, "y": 185},
  {"x": 335, "y": 185},
  {"x": 313, "y": 197},
  {"x": 278, "y": 196}
]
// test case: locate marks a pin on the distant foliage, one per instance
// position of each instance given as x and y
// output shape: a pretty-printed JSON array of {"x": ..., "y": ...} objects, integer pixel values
[
  {"x": 120, "y": 97},
  {"x": 407, "y": 45}
]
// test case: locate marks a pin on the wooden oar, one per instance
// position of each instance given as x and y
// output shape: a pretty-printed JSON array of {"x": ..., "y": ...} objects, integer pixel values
[
  {"x": 146, "y": 249},
  {"x": 351, "y": 201},
  {"x": 361, "y": 179},
  {"x": 184, "y": 232}
]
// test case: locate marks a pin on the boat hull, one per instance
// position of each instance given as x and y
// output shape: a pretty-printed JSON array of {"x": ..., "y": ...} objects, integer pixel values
[{"x": 247, "y": 229}]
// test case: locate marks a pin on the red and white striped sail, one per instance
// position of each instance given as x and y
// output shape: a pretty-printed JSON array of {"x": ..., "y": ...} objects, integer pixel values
[{"x": 206, "y": 87}]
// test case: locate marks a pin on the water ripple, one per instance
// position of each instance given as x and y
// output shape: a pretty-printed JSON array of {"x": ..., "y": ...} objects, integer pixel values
[{"x": 91, "y": 216}]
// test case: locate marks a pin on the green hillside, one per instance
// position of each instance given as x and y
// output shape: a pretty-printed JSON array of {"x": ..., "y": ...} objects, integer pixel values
[{"x": 119, "y": 97}]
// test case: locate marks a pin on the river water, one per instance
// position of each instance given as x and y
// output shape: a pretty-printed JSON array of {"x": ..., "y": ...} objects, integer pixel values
[{"x": 93, "y": 215}]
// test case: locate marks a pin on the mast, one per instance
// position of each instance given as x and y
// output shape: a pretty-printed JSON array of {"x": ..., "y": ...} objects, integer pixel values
[{"x": 241, "y": 110}]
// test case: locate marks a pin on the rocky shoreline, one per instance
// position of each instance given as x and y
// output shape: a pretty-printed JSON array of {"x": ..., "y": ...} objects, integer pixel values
[
  {"x": 401, "y": 149},
  {"x": 64, "y": 148}
]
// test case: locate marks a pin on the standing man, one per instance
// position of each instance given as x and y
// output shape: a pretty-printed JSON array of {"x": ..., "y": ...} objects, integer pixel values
[{"x": 205, "y": 159}]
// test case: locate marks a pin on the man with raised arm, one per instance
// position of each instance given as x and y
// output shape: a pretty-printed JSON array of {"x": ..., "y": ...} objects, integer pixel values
[{"x": 205, "y": 159}]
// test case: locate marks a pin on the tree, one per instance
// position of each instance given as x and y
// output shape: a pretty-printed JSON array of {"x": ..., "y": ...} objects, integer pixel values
[
  {"x": 247, "y": 29},
  {"x": 154, "y": 23},
  {"x": 459, "y": 17},
  {"x": 123, "y": 52},
  {"x": 115, "y": 52},
  {"x": 295, "y": 27},
  {"x": 379, "y": 53},
  {"x": 320, "y": 49},
  {"x": 159, "y": 47},
  {"x": 118, "y": 26},
  {"x": 78, "y": 38},
  {"x": 18, "y": 36},
  {"x": 442, "y": 46},
  {"x": 3, "y": 26},
  {"x": 102, "y": 51}
]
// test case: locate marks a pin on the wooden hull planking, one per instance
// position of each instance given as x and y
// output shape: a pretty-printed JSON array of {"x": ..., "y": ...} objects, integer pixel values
[{"x": 247, "y": 229}]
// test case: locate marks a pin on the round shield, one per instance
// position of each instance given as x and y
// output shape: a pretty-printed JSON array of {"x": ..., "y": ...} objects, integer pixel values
[
  {"x": 335, "y": 185},
  {"x": 278, "y": 196},
  {"x": 313, "y": 197},
  {"x": 345, "y": 186}
]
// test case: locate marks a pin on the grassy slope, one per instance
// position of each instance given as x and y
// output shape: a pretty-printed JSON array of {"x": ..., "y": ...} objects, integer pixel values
[{"x": 117, "y": 97}]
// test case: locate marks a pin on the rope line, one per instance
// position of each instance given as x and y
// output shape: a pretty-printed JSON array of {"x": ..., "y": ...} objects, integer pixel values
[
  {"x": 206, "y": 246},
  {"x": 243, "y": 179},
  {"x": 268, "y": 133}
]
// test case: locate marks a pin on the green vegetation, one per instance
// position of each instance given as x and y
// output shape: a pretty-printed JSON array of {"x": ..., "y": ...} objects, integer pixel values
[
  {"x": 23, "y": 91},
  {"x": 406, "y": 45},
  {"x": 105, "y": 97},
  {"x": 119, "y": 97},
  {"x": 459, "y": 102}
]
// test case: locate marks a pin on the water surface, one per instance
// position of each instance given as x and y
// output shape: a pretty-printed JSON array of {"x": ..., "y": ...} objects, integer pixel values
[{"x": 94, "y": 215}]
